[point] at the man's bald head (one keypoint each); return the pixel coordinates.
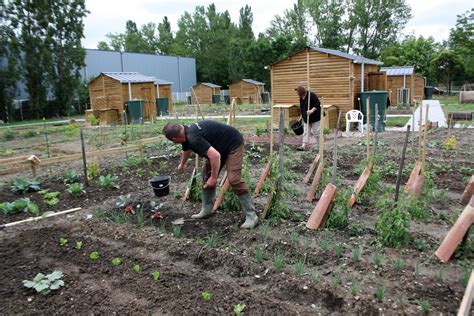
(174, 132)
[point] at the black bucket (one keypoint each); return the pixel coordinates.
(160, 185)
(297, 127)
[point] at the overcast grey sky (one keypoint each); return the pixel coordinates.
(430, 18)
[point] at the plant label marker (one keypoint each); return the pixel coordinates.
(366, 173)
(325, 203)
(468, 192)
(456, 233)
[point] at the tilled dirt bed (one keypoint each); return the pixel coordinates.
(408, 280)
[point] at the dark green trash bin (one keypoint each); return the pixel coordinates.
(265, 97)
(162, 106)
(135, 110)
(428, 92)
(379, 98)
(216, 98)
(227, 99)
(190, 100)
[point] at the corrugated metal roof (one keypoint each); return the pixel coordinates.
(210, 85)
(399, 71)
(355, 58)
(133, 77)
(255, 82)
(159, 81)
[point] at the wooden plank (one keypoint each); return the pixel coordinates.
(264, 175)
(359, 185)
(32, 219)
(456, 233)
(466, 302)
(220, 197)
(320, 211)
(314, 184)
(188, 187)
(468, 192)
(14, 169)
(311, 169)
(13, 160)
(414, 173)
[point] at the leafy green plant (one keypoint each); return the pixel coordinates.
(440, 275)
(399, 264)
(338, 250)
(50, 198)
(357, 254)
(109, 181)
(259, 253)
(75, 189)
(315, 277)
(71, 176)
(338, 218)
(295, 237)
(278, 260)
(62, 241)
(71, 130)
(298, 266)
(425, 306)
(8, 134)
(336, 280)
(94, 121)
(465, 274)
(78, 245)
(176, 231)
(266, 230)
(393, 224)
(324, 244)
(355, 286)
(212, 240)
(417, 269)
(29, 133)
(93, 170)
(156, 275)
(238, 309)
(20, 205)
(94, 255)
(137, 268)
(421, 245)
(116, 261)
(206, 296)
(44, 284)
(380, 293)
(21, 185)
(377, 260)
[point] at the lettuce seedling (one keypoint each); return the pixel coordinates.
(44, 284)
(116, 261)
(62, 241)
(238, 309)
(156, 275)
(206, 296)
(94, 255)
(78, 245)
(137, 268)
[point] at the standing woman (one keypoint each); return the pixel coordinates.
(314, 114)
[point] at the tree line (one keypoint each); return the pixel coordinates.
(41, 44)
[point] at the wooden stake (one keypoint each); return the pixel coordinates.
(467, 298)
(281, 142)
(311, 169)
(420, 124)
(222, 192)
(314, 184)
(468, 192)
(271, 112)
(359, 185)
(425, 137)
(320, 211)
(84, 161)
(308, 129)
(402, 162)
(264, 175)
(188, 187)
(368, 132)
(414, 173)
(32, 219)
(33, 162)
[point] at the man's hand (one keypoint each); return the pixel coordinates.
(210, 183)
(311, 111)
(181, 167)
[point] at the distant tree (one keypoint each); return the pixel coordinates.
(165, 37)
(461, 40)
(102, 45)
(66, 30)
(447, 66)
(292, 24)
(9, 70)
(412, 50)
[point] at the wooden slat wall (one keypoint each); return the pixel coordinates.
(378, 81)
(419, 90)
(246, 92)
(329, 78)
(235, 90)
(396, 82)
(203, 93)
(166, 91)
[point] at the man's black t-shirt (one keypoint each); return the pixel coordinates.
(202, 135)
(313, 103)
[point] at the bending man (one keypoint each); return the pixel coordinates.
(221, 145)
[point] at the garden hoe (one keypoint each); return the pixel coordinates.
(416, 187)
(366, 173)
(320, 157)
(325, 203)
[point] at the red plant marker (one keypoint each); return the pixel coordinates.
(129, 209)
(157, 216)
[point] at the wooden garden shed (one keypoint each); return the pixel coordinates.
(247, 91)
(109, 92)
(333, 75)
(164, 89)
(404, 77)
(204, 91)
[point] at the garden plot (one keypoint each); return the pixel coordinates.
(211, 266)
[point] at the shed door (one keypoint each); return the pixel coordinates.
(149, 103)
(378, 81)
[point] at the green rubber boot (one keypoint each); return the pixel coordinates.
(208, 196)
(251, 218)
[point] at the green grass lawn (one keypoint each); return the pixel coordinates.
(451, 104)
(396, 121)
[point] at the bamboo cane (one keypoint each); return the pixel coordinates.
(32, 219)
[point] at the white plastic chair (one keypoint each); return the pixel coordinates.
(354, 116)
